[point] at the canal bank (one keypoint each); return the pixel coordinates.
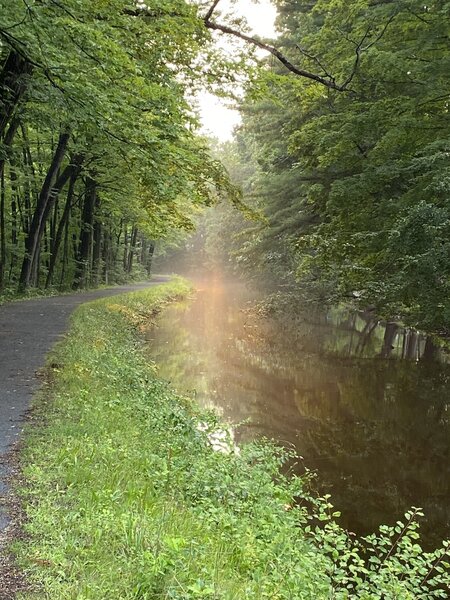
(126, 497)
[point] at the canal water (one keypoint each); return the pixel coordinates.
(375, 426)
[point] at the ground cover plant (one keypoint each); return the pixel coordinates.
(127, 499)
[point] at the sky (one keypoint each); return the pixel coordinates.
(217, 118)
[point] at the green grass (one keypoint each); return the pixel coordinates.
(127, 500)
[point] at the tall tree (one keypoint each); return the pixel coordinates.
(116, 76)
(355, 189)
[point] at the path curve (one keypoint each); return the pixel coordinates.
(28, 331)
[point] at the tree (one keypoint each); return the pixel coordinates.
(93, 107)
(355, 189)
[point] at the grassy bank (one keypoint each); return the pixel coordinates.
(126, 498)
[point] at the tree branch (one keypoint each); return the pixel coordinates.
(316, 60)
(382, 32)
(329, 83)
(358, 48)
(210, 12)
(327, 80)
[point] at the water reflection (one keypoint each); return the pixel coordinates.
(377, 430)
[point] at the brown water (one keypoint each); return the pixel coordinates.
(377, 430)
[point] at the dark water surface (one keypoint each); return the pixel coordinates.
(376, 429)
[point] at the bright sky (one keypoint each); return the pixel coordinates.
(219, 119)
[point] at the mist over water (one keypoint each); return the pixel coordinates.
(376, 429)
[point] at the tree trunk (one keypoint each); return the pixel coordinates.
(431, 351)
(115, 250)
(125, 250)
(47, 237)
(43, 207)
(97, 245)
(366, 334)
(13, 83)
(65, 256)
(132, 249)
(81, 278)
(411, 345)
(107, 255)
(13, 231)
(2, 231)
(16, 206)
(7, 142)
(35, 268)
(31, 186)
(54, 222)
(144, 249)
(388, 341)
(151, 251)
(62, 226)
(26, 195)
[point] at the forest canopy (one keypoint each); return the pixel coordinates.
(98, 155)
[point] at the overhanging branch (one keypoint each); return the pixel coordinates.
(326, 80)
(210, 12)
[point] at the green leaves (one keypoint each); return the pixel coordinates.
(118, 76)
(355, 185)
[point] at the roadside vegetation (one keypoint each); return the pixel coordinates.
(126, 497)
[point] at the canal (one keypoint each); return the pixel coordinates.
(373, 425)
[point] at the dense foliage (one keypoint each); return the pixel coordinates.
(126, 497)
(355, 185)
(97, 152)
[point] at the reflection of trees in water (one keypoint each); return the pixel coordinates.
(376, 430)
(347, 333)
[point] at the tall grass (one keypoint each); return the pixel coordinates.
(126, 498)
